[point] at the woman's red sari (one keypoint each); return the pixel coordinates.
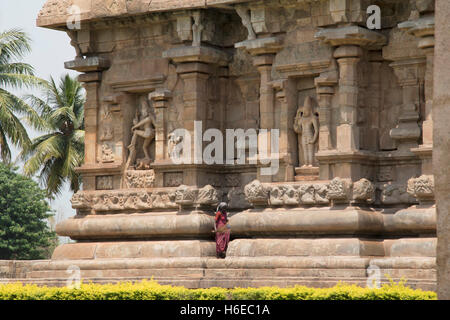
(222, 233)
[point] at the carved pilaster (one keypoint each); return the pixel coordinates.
(92, 68)
(263, 52)
(423, 28)
(160, 99)
(350, 43)
(195, 65)
(410, 74)
(287, 142)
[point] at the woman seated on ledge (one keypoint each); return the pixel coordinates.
(222, 230)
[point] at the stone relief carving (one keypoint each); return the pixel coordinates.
(276, 194)
(339, 190)
(256, 193)
(124, 200)
(81, 200)
(185, 196)
(307, 194)
(197, 29)
(143, 127)
(172, 141)
(208, 195)
(104, 183)
(290, 196)
(364, 190)
(107, 154)
(140, 179)
(422, 188)
(306, 125)
(294, 195)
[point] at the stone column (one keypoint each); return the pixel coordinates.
(410, 74)
(263, 52)
(92, 68)
(195, 66)
(348, 135)
(423, 28)
(160, 100)
(325, 91)
(441, 149)
(347, 158)
(288, 140)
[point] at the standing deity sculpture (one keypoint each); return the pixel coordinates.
(197, 29)
(143, 127)
(306, 126)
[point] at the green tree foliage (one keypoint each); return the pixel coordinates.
(24, 231)
(14, 74)
(56, 153)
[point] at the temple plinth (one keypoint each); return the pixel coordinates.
(313, 128)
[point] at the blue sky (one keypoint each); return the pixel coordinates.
(50, 49)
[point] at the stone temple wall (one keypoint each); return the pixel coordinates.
(354, 191)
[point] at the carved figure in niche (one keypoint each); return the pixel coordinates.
(107, 153)
(306, 126)
(143, 127)
(246, 21)
(197, 29)
(107, 131)
(172, 141)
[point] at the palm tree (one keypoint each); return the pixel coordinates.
(60, 149)
(14, 44)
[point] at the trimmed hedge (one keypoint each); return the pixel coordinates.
(151, 290)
